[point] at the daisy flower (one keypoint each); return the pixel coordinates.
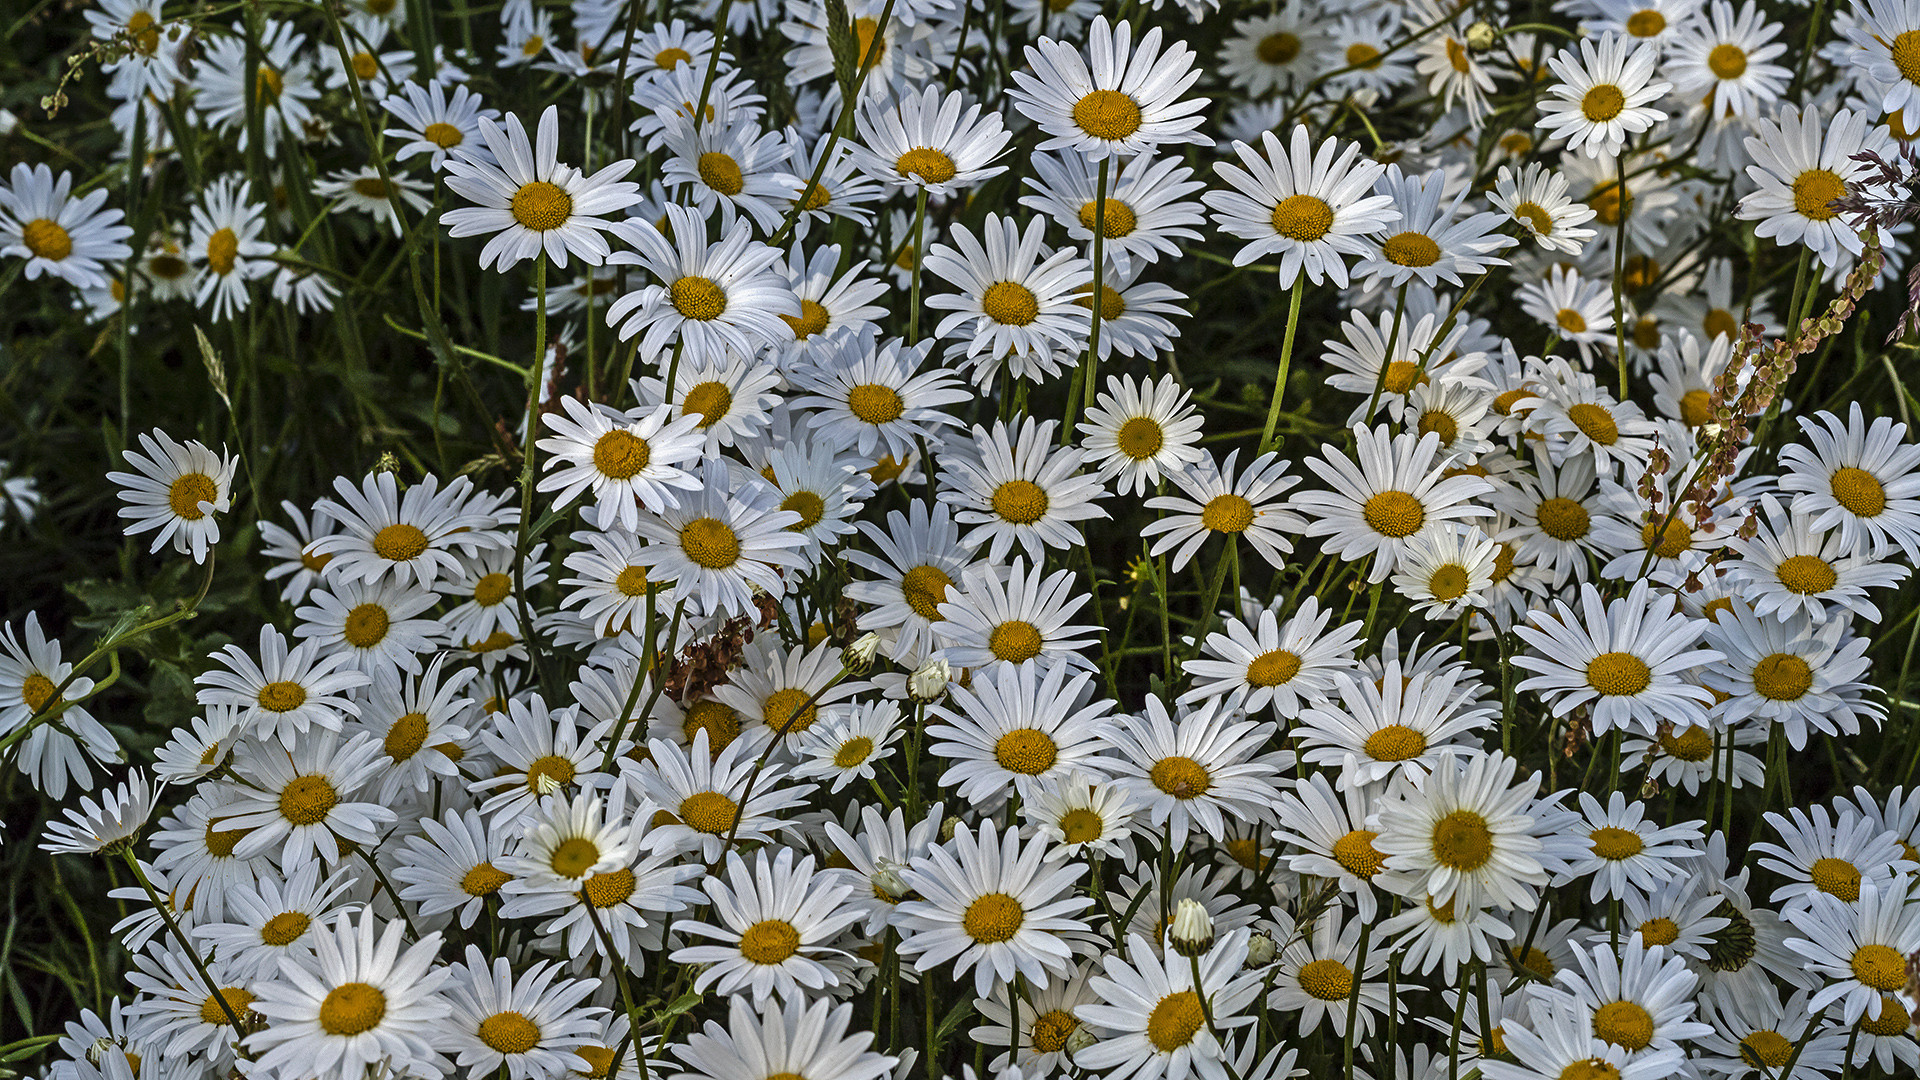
(1081, 815)
(289, 548)
(1014, 295)
(916, 558)
(364, 190)
(1046, 1023)
(827, 302)
(1572, 308)
(1453, 71)
(1019, 728)
(1462, 833)
(847, 747)
(1404, 721)
(800, 1038)
(1862, 479)
(1431, 243)
(1578, 416)
(537, 752)
(526, 1027)
(700, 792)
(627, 459)
(721, 543)
(419, 535)
(527, 202)
(1801, 164)
(1270, 52)
(306, 802)
(1537, 198)
(1270, 664)
(1141, 430)
(817, 480)
(438, 121)
(1557, 1039)
(733, 165)
(1021, 488)
(178, 489)
(709, 297)
(1193, 768)
(1627, 855)
(373, 625)
(874, 396)
(363, 997)
(1159, 1014)
(1250, 505)
(1446, 570)
(225, 245)
(1789, 672)
(991, 905)
(64, 237)
(282, 81)
(1828, 855)
(1624, 660)
(778, 919)
(727, 396)
(1605, 94)
(1884, 52)
(1312, 208)
(1146, 212)
(1725, 57)
(1018, 621)
(288, 691)
(1317, 973)
(924, 142)
(1396, 489)
(272, 919)
(484, 591)
(1125, 102)
(1331, 832)
(787, 691)
(1639, 999)
(451, 867)
(877, 856)
(1750, 1023)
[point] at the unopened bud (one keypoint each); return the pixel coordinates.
(1081, 1038)
(886, 878)
(1261, 950)
(948, 826)
(929, 681)
(1480, 36)
(858, 657)
(1192, 930)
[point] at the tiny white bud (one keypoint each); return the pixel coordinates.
(929, 680)
(1261, 950)
(1192, 928)
(886, 878)
(1080, 1040)
(859, 655)
(1480, 36)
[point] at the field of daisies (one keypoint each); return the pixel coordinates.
(988, 539)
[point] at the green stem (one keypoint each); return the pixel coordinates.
(1267, 440)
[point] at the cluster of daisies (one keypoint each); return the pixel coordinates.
(768, 723)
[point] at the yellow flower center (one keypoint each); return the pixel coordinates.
(1646, 24)
(237, 999)
(1727, 61)
(993, 918)
(721, 173)
(1140, 438)
(1107, 114)
(443, 135)
(549, 773)
(1020, 502)
(541, 206)
(1659, 931)
(1112, 304)
(1618, 674)
(1462, 841)
(929, 165)
(1116, 221)
(267, 85)
(1614, 843)
(352, 1008)
(853, 752)
(632, 581)
(509, 1033)
(1010, 303)
(1278, 48)
(1305, 218)
(709, 812)
(399, 543)
(1602, 103)
(47, 240)
(1894, 1019)
(1175, 1021)
(1180, 777)
(1624, 1024)
(1014, 641)
(1027, 751)
(1563, 519)
(808, 505)
(1448, 582)
(813, 319)
(1813, 190)
(1836, 877)
(1362, 55)
(1396, 742)
(1594, 421)
(485, 880)
(1328, 980)
(1394, 514)
(925, 589)
(1228, 513)
(717, 719)
(366, 626)
(710, 543)
(771, 941)
(285, 928)
(669, 58)
(1691, 744)
(223, 250)
(1051, 1030)
(1806, 574)
(698, 298)
(1906, 55)
(783, 709)
(307, 800)
(571, 858)
(1410, 249)
(872, 403)
(1782, 677)
(1535, 217)
(866, 31)
(1275, 667)
(1080, 825)
(36, 690)
(1857, 490)
(1356, 854)
(1590, 1069)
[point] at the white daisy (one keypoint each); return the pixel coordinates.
(529, 203)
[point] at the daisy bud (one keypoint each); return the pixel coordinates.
(1261, 950)
(1081, 1038)
(886, 878)
(929, 681)
(1192, 930)
(948, 827)
(858, 657)
(1480, 36)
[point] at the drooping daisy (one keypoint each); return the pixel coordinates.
(1802, 164)
(1311, 207)
(1017, 621)
(365, 996)
(68, 238)
(1605, 95)
(1862, 479)
(1395, 490)
(178, 489)
(991, 905)
(1624, 660)
(529, 203)
(1125, 102)
(1272, 664)
(709, 296)
(778, 917)
(1537, 198)
(1461, 832)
